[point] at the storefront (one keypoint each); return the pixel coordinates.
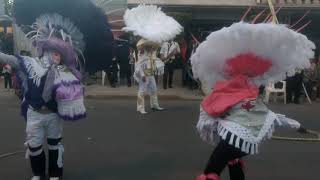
(203, 16)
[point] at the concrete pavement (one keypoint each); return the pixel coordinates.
(123, 92)
(116, 143)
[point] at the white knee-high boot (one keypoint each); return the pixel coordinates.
(141, 104)
(154, 102)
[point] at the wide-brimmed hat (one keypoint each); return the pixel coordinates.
(142, 43)
(68, 55)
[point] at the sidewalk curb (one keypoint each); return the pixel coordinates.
(119, 96)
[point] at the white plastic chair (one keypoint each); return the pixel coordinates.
(271, 89)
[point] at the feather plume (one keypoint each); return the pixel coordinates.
(284, 48)
(149, 22)
(54, 25)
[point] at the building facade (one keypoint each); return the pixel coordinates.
(210, 15)
(288, 3)
(2, 11)
(196, 2)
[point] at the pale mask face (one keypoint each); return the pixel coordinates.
(56, 57)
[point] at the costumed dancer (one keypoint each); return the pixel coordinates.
(52, 92)
(97, 36)
(154, 27)
(51, 82)
(147, 67)
(231, 64)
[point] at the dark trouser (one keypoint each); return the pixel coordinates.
(188, 77)
(221, 156)
(310, 85)
(294, 87)
(318, 90)
(125, 72)
(7, 80)
(185, 76)
(113, 78)
(168, 75)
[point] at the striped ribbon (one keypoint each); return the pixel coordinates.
(274, 15)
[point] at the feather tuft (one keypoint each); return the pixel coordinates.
(149, 22)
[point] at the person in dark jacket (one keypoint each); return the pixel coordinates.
(294, 87)
(123, 58)
(7, 71)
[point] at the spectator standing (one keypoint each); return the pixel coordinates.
(112, 73)
(310, 80)
(168, 54)
(317, 74)
(184, 50)
(192, 46)
(7, 76)
(123, 57)
(294, 87)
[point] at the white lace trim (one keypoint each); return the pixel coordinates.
(71, 109)
(207, 128)
(210, 129)
(250, 143)
(66, 77)
(35, 70)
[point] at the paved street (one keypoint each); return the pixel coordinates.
(115, 143)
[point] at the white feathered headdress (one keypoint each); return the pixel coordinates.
(277, 49)
(149, 22)
(55, 26)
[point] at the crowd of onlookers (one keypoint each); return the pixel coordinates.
(311, 80)
(175, 54)
(6, 46)
(304, 83)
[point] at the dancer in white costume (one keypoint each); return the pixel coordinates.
(155, 27)
(147, 67)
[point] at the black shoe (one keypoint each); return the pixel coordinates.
(170, 87)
